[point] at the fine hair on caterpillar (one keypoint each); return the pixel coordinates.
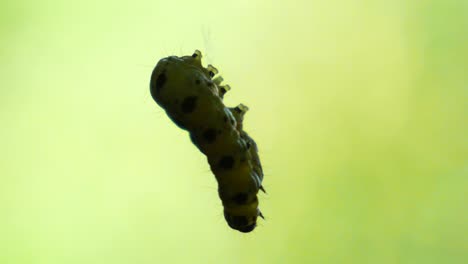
(192, 97)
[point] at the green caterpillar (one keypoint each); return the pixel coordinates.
(193, 100)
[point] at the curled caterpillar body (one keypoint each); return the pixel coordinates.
(193, 100)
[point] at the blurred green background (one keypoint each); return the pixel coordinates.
(359, 109)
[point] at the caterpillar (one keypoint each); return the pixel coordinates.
(192, 97)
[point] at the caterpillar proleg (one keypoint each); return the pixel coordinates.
(192, 97)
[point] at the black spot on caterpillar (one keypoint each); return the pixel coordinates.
(226, 162)
(160, 81)
(209, 135)
(240, 198)
(189, 104)
(192, 97)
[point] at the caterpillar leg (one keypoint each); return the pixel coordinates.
(197, 55)
(222, 90)
(261, 215)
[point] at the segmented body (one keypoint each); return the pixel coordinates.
(194, 102)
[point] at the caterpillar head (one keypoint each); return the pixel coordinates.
(240, 204)
(182, 85)
(243, 212)
(243, 222)
(174, 74)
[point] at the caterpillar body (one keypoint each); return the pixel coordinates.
(193, 99)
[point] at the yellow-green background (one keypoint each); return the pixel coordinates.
(359, 109)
